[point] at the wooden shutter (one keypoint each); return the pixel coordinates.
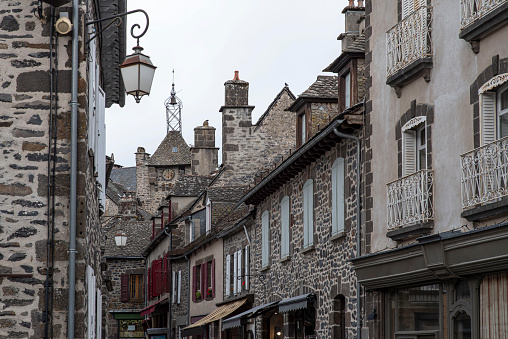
(247, 267)
(228, 274)
(409, 152)
(488, 118)
(124, 289)
(284, 236)
(174, 288)
(235, 273)
(179, 285)
(213, 278)
(308, 214)
(338, 196)
(194, 283)
(265, 250)
(239, 277)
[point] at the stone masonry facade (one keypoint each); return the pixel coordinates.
(324, 269)
(30, 224)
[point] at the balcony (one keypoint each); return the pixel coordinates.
(410, 205)
(409, 48)
(478, 18)
(484, 180)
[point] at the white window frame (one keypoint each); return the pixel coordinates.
(338, 199)
(347, 90)
(239, 272)
(247, 267)
(410, 136)
(208, 215)
(284, 226)
(308, 213)
(304, 128)
(235, 273)
(228, 275)
(265, 239)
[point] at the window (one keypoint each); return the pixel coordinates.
(338, 196)
(409, 6)
(265, 238)
(136, 287)
(175, 149)
(414, 309)
(181, 170)
(197, 283)
(246, 269)
(303, 128)
(203, 281)
(228, 275)
(414, 146)
(177, 286)
(308, 214)
(494, 306)
(347, 90)
(208, 215)
(284, 227)
(494, 117)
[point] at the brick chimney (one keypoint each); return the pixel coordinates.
(142, 185)
(205, 156)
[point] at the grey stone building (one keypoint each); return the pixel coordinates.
(53, 171)
(435, 202)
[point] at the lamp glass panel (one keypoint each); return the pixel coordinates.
(130, 78)
(145, 78)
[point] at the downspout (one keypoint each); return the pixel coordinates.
(170, 278)
(358, 224)
(73, 175)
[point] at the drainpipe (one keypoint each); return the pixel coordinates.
(358, 225)
(73, 176)
(170, 278)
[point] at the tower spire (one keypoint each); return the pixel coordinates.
(173, 110)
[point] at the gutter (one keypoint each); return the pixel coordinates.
(73, 174)
(301, 151)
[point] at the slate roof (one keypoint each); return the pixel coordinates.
(164, 155)
(125, 176)
(357, 46)
(138, 236)
(115, 191)
(226, 193)
(326, 86)
(355, 50)
(114, 55)
(190, 185)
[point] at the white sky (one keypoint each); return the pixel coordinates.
(269, 42)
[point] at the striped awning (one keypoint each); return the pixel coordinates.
(217, 314)
(296, 303)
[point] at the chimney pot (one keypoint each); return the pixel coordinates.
(360, 3)
(351, 3)
(237, 77)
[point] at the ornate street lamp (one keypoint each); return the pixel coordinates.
(120, 238)
(137, 69)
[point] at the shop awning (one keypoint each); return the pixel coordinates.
(151, 308)
(217, 314)
(236, 321)
(296, 303)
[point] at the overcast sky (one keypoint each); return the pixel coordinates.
(270, 42)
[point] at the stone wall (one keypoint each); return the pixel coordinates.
(25, 213)
(321, 115)
(324, 270)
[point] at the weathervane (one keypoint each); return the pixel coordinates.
(173, 110)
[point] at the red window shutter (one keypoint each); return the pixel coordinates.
(194, 280)
(168, 273)
(124, 294)
(154, 280)
(164, 273)
(213, 278)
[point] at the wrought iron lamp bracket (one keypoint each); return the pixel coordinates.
(117, 20)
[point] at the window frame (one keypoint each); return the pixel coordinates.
(410, 152)
(338, 196)
(136, 285)
(265, 239)
(285, 227)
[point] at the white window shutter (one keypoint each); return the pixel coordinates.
(488, 118)
(338, 214)
(99, 314)
(407, 7)
(90, 277)
(228, 274)
(247, 267)
(100, 153)
(308, 214)
(409, 152)
(239, 277)
(174, 287)
(235, 271)
(179, 285)
(284, 247)
(265, 239)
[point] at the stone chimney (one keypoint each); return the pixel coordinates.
(205, 156)
(354, 16)
(127, 205)
(236, 119)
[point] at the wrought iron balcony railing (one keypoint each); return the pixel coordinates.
(409, 40)
(410, 200)
(485, 173)
(472, 10)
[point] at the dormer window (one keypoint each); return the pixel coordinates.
(347, 90)
(303, 127)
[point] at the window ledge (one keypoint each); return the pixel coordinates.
(285, 258)
(487, 210)
(265, 268)
(485, 25)
(410, 231)
(412, 71)
(308, 249)
(338, 235)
